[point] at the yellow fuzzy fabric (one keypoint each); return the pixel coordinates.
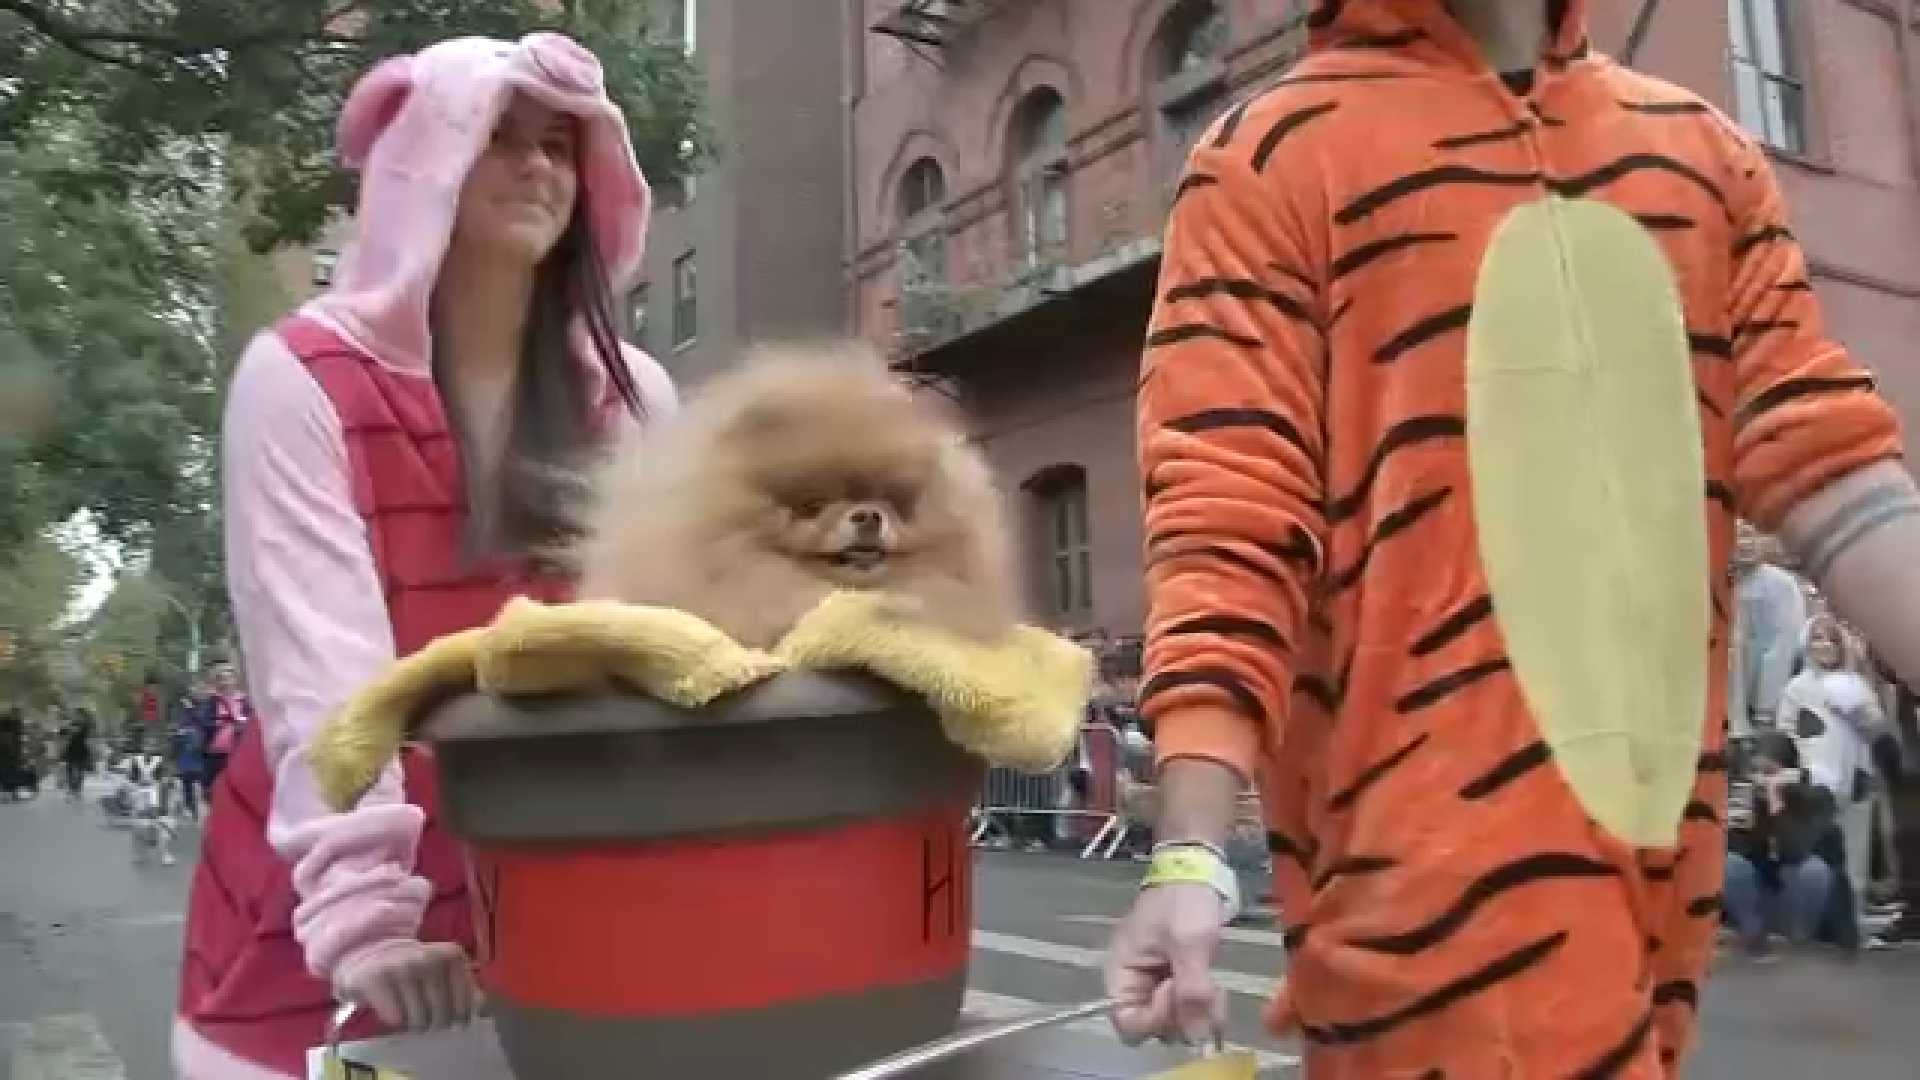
(1017, 702)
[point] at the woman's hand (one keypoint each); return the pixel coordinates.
(413, 986)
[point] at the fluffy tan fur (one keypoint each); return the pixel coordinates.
(803, 471)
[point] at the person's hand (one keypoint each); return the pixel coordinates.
(1160, 966)
(413, 986)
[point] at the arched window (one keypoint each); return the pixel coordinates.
(923, 233)
(1189, 79)
(1040, 176)
(1066, 539)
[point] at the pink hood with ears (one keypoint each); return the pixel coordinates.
(413, 127)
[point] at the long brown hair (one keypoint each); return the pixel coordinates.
(533, 506)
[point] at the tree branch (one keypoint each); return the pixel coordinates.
(86, 42)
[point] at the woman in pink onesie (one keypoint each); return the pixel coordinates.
(396, 453)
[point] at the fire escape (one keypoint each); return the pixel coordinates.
(931, 27)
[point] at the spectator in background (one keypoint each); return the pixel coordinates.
(1832, 709)
(189, 754)
(225, 716)
(1775, 882)
(76, 753)
(1769, 618)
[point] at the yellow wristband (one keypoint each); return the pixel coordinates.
(1194, 866)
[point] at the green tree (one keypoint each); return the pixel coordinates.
(36, 589)
(173, 87)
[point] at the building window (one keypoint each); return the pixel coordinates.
(1189, 77)
(923, 233)
(686, 300)
(1767, 98)
(683, 23)
(637, 315)
(1040, 177)
(1067, 540)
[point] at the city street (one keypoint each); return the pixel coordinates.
(88, 954)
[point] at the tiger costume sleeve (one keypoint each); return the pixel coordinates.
(1230, 449)
(1807, 412)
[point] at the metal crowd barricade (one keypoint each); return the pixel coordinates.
(1079, 801)
(1093, 799)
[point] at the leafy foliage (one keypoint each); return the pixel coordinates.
(261, 81)
(36, 585)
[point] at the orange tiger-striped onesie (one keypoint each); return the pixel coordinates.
(1453, 390)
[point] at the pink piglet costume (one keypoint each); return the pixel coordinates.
(344, 513)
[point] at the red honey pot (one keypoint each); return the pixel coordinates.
(776, 885)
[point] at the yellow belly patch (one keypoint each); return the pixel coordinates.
(1589, 496)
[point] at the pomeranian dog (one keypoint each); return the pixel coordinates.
(803, 471)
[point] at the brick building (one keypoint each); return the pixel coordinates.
(1012, 162)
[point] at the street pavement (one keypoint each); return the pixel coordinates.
(89, 951)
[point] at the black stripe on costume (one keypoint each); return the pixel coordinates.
(1399, 39)
(1703, 906)
(1757, 327)
(1666, 222)
(1677, 992)
(1471, 614)
(1239, 289)
(1707, 403)
(1433, 693)
(1420, 333)
(1286, 847)
(1341, 77)
(1207, 420)
(1319, 690)
(1796, 285)
(1192, 182)
(1481, 138)
(1324, 14)
(1545, 866)
(1758, 237)
(1618, 1059)
(1407, 433)
(1712, 345)
(1713, 761)
(1368, 252)
(1574, 187)
(1374, 773)
(1284, 127)
(1230, 626)
(1356, 866)
(1504, 968)
(1788, 390)
(1720, 493)
(1182, 332)
(1216, 677)
(1426, 180)
(1391, 525)
(1223, 554)
(1700, 811)
(1295, 936)
(1231, 125)
(1666, 108)
(1516, 765)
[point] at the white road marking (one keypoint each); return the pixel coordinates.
(1240, 934)
(1051, 952)
(65, 1047)
(157, 919)
(989, 1007)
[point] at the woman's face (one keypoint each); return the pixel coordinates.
(519, 195)
(1824, 649)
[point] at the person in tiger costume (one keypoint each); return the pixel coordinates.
(1470, 347)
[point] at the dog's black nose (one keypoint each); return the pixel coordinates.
(866, 520)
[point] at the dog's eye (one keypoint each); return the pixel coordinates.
(809, 508)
